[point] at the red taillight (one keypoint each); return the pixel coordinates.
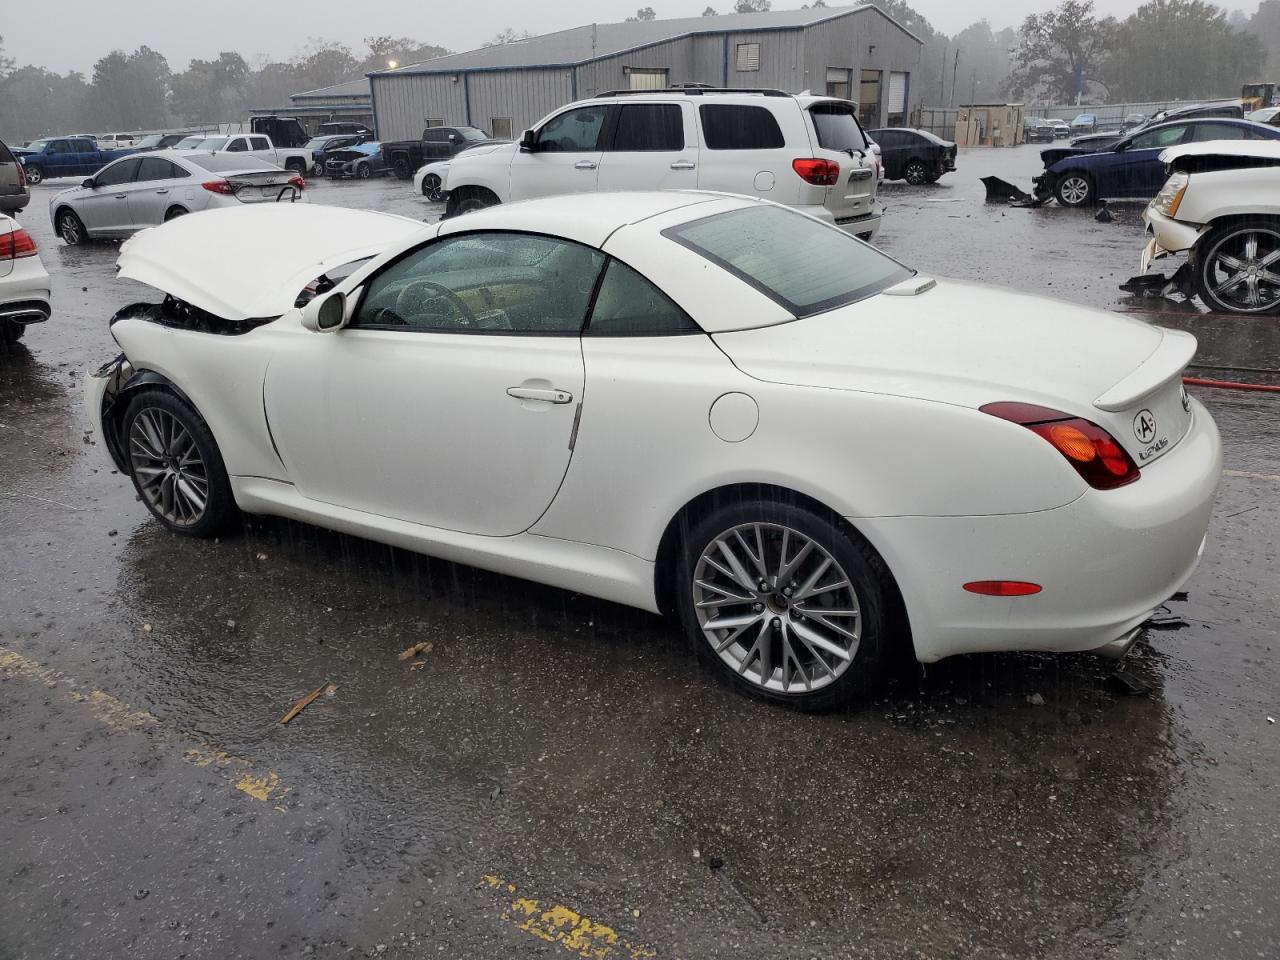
(821, 173)
(22, 175)
(1003, 588)
(17, 244)
(220, 186)
(298, 182)
(1097, 457)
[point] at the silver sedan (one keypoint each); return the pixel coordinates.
(143, 190)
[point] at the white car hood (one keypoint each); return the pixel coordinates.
(961, 343)
(1262, 149)
(249, 262)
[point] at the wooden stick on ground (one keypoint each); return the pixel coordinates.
(305, 702)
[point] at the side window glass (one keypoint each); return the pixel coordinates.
(575, 131)
(236, 146)
(727, 126)
(154, 168)
(176, 172)
(118, 173)
(59, 146)
(1202, 132)
(1163, 137)
(495, 283)
(628, 305)
(649, 126)
(83, 146)
(260, 143)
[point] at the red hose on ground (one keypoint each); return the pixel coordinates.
(1230, 385)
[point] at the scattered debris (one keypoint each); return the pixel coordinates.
(1158, 285)
(417, 648)
(326, 688)
(1126, 684)
(1179, 597)
(1165, 621)
(715, 863)
(496, 792)
(146, 628)
(1036, 700)
(262, 556)
(1002, 190)
(142, 894)
(1103, 215)
(1271, 719)
(112, 533)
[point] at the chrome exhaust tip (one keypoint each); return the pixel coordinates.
(1119, 648)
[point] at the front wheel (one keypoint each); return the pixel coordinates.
(176, 466)
(317, 169)
(364, 171)
(785, 603)
(1237, 267)
(915, 173)
(71, 228)
(431, 187)
(1073, 189)
(33, 174)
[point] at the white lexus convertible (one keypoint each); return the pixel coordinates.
(683, 402)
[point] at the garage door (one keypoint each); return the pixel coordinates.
(897, 98)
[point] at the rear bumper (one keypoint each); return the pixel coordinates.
(1104, 561)
(865, 226)
(24, 293)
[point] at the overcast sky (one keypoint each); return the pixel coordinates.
(72, 34)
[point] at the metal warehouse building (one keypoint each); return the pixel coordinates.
(858, 53)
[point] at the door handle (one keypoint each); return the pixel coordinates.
(585, 165)
(545, 394)
(162, 191)
(683, 165)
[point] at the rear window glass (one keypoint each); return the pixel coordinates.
(5, 155)
(649, 126)
(837, 127)
(806, 266)
(219, 162)
(731, 126)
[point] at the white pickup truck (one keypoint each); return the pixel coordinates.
(260, 146)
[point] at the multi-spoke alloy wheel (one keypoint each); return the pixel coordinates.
(777, 607)
(1240, 269)
(175, 464)
(1074, 189)
(787, 603)
(168, 468)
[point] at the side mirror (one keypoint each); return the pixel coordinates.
(325, 314)
(89, 184)
(529, 141)
(875, 148)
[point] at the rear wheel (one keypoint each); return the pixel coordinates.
(297, 166)
(175, 465)
(71, 228)
(401, 167)
(173, 213)
(431, 187)
(1074, 189)
(1237, 267)
(914, 172)
(785, 603)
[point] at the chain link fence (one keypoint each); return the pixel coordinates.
(941, 121)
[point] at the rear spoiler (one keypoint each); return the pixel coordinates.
(1169, 359)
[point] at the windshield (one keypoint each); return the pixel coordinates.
(837, 127)
(803, 264)
(37, 145)
(471, 133)
(315, 143)
(212, 143)
(222, 162)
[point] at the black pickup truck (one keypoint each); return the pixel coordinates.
(437, 143)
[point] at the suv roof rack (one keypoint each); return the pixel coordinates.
(694, 90)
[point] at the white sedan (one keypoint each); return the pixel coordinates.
(146, 189)
(24, 284)
(680, 401)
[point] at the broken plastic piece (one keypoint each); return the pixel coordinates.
(1002, 190)
(1127, 684)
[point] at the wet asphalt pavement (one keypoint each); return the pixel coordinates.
(557, 778)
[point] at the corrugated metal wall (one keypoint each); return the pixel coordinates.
(791, 60)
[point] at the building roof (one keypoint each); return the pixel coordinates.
(358, 87)
(595, 41)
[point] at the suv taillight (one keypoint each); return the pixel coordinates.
(821, 173)
(220, 186)
(16, 245)
(1097, 457)
(22, 175)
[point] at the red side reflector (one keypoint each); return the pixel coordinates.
(1003, 588)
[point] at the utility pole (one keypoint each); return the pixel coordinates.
(954, 67)
(942, 74)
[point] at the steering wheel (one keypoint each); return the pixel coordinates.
(412, 301)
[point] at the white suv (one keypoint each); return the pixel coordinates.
(803, 151)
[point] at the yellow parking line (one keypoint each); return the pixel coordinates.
(115, 713)
(578, 934)
(1252, 476)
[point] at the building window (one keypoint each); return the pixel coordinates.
(748, 58)
(434, 122)
(838, 82)
(897, 108)
(500, 128)
(647, 79)
(869, 99)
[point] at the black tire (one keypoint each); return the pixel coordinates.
(1211, 274)
(33, 173)
(468, 200)
(1074, 189)
(174, 212)
(401, 167)
(71, 228)
(219, 507)
(915, 172)
(873, 593)
(11, 332)
(431, 187)
(297, 166)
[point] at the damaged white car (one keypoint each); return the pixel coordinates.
(680, 401)
(1220, 206)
